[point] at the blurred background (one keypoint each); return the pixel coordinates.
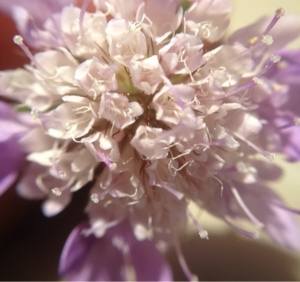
(30, 244)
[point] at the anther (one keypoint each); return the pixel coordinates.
(257, 81)
(280, 13)
(34, 114)
(95, 198)
(267, 40)
(203, 234)
(61, 174)
(56, 191)
(18, 39)
(275, 59)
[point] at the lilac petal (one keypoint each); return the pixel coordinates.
(10, 162)
(290, 137)
(290, 56)
(9, 128)
(11, 125)
(289, 74)
(160, 10)
(89, 258)
(149, 264)
(291, 146)
(6, 111)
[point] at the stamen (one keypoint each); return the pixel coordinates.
(269, 156)
(278, 14)
(18, 39)
(174, 192)
(251, 235)
(58, 191)
(242, 204)
(255, 81)
(104, 158)
(274, 59)
(202, 232)
(181, 259)
(294, 122)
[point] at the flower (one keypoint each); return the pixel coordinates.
(154, 114)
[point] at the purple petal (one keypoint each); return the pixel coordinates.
(10, 162)
(288, 71)
(11, 125)
(7, 180)
(100, 259)
(149, 264)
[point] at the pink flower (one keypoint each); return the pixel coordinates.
(137, 92)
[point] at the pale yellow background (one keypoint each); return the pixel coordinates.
(247, 11)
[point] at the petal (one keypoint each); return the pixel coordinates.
(7, 180)
(213, 17)
(165, 15)
(10, 162)
(55, 204)
(149, 264)
(88, 258)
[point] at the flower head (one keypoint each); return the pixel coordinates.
(139, 93)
